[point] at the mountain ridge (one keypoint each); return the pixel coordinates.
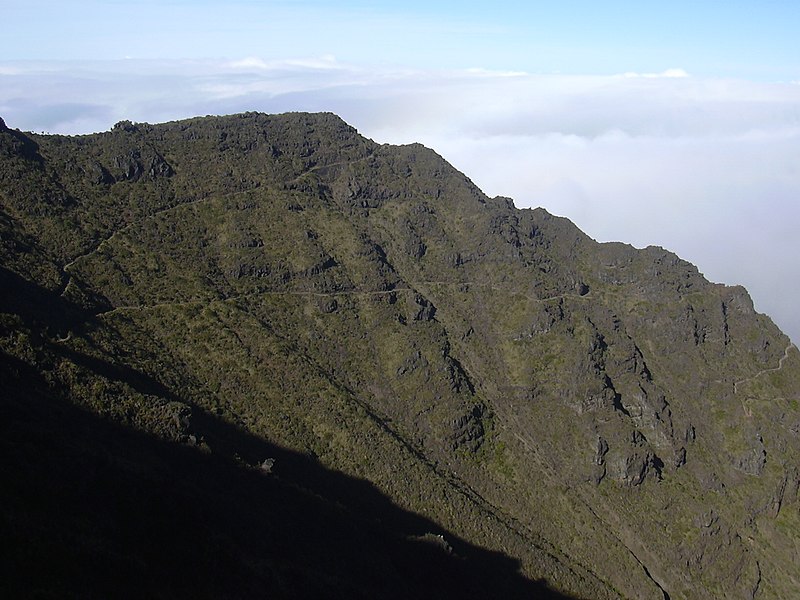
(605, 408)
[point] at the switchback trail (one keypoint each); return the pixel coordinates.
(67, 277)
(765, 371)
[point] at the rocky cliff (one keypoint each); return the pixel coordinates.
(312, 364)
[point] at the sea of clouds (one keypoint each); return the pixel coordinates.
(708, 168)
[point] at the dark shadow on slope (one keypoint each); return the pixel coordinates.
(36, 306)
(92, 509)
(95, 509)
(17, 143)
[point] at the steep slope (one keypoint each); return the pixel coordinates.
(278, 287)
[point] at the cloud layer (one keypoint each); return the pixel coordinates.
(709, 168)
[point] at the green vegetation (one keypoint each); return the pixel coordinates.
(186, 302)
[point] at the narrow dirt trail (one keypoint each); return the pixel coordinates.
(765, 371)
(67, 277)
(335, 294)
(67, 266)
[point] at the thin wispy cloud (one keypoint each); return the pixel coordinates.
(673, 73)
(709, 168)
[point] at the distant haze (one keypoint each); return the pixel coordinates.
(676, 126)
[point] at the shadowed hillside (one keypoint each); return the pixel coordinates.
(92, 509)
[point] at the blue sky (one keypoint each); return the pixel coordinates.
(667, 123)
(755, 40)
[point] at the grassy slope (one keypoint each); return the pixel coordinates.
(369, 314)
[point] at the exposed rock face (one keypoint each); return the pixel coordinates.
(753, 460)
(468, 429)
(133, 166)
(592, 415)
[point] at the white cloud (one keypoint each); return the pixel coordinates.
(669, 73)
(707, 168)
(251, 62)
(254, 63)
(490, 73)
